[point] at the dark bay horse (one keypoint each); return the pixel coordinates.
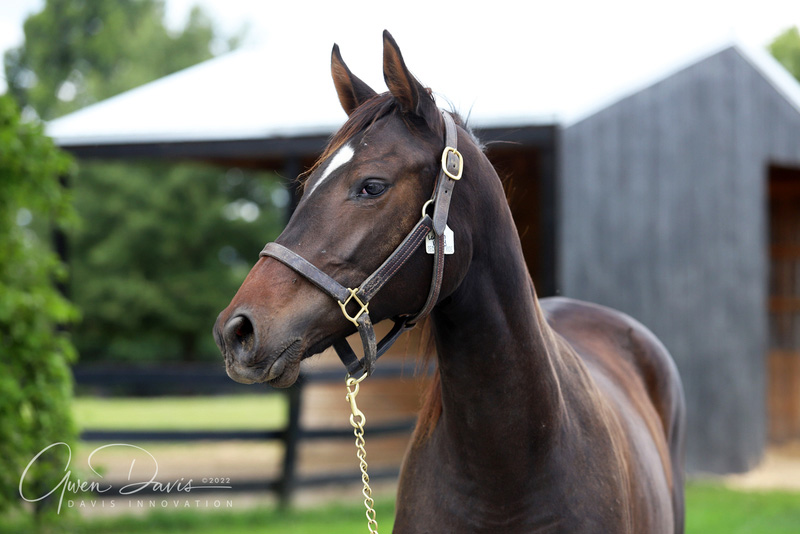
(546, 416)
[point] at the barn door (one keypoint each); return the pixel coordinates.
(784, 304)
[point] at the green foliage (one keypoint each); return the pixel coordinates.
(77, 53)
(161, 252)
(164, 249)
(35, 380)
(786, 49)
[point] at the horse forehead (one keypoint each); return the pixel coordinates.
(339, 159)
(386, 143)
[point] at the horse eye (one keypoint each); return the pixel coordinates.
(372, 189)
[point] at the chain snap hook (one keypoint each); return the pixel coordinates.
(357, 417)
(357, 420)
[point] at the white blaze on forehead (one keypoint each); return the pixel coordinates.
(342, 156)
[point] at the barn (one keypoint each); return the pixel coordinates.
(674, 197)
(679, 205)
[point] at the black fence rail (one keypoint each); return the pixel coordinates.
(166, 380)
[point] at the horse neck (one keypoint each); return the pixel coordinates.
(495, 350)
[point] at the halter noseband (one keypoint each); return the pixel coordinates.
(449, 172)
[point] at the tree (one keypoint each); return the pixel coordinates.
(35, 380)
(161, 251)
(77, 53)
(786, 49)
(164, 249)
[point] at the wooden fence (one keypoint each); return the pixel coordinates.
(166, 380)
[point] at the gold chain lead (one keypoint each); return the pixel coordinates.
(357, 420)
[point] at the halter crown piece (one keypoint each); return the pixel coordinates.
(449, 172)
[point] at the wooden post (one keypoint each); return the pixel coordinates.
(291, 441)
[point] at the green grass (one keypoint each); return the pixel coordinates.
(712, 509)
(330, 519)
(181, 413)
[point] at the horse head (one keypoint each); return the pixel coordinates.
(361, 200)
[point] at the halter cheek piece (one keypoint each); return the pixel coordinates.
(450, 171)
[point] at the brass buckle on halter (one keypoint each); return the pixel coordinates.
(445, 156)
(363, 310)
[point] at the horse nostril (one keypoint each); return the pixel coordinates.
(239, 335)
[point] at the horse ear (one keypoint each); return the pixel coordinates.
(409, 92)
(351, 89)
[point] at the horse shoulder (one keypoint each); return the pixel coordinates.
(609, 339)
(633, 373)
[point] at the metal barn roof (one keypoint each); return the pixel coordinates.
(269, 92)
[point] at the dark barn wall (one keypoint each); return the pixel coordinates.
(662, 215)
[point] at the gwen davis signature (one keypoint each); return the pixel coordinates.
(71, 485)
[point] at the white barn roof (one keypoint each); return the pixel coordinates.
(270, 92)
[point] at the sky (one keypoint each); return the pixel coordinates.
(581, 34)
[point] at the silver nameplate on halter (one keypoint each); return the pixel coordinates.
(449, 242)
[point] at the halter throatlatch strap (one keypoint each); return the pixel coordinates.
(358, 299)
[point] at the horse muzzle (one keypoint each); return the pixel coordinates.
(247, 360)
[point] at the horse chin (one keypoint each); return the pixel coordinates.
(285, 370)
(245, 375)
(281, 373)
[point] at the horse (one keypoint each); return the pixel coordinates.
(549, 415)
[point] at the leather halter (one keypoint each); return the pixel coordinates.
(449, 172)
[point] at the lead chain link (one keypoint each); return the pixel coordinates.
(357, 420)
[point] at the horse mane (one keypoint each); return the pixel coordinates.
(431, 406)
